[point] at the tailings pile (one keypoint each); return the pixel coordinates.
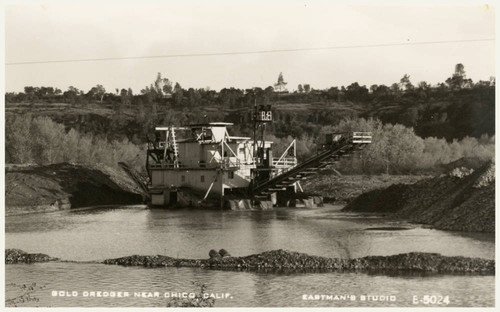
(462, 200)
(64, 186)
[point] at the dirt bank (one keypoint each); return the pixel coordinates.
(343, 189)
(462, 200)
(283, 260)
(64, 186)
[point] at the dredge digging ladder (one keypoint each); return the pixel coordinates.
(344, 145)
(139, 180)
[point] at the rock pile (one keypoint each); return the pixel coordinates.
(18, 256)
(463, 200)
(288, 261)
(282, 260)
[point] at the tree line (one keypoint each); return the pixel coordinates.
(395, 149)
(453, 109)
(164, 91)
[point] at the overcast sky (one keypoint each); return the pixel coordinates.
(55, 31)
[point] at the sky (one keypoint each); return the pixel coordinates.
(53, 31)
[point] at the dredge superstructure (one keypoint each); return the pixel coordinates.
(202, 165)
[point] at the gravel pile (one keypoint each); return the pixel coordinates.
(459, 201)
(283, 260)
(18, 256)
(288, 261)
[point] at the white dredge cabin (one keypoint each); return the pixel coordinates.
(201, 164)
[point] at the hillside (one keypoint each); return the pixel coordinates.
(448, 112)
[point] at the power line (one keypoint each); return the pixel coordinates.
(248, 52)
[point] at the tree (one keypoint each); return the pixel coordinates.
(162, 86)
(178, 94)
(97, 92)
(268, 94)
(333, 94)
(307, 88)
(130, 96)
(72, 94)
(458, 80)
(100, 91)
(405, 83)
(31, 93)
(300, 88)
(125, 100)
(394, 148)
(140, 110)
(194, 97)
(396, 90)
(18, 149)
(423, 89)
(355, 92)
(280, 86)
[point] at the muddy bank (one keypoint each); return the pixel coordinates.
(462, 200)
(63, 186)
(340, 189)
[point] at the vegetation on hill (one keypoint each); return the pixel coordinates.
(40, 140)
(397, 149)
(451, 110)
(415, 128)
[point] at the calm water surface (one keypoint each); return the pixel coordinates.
(106, 233)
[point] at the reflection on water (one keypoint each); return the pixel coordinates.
(106, 233)
(245, 288)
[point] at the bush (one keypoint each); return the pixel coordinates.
(397, 149)
(42, 141)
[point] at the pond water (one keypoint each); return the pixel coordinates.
(98, 234)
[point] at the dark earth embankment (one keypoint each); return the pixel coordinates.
(282, 260)
(339, 189)
(64, 186)
(463, 200)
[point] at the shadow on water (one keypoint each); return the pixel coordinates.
(387, 228)
(114, 231)
(486, 237)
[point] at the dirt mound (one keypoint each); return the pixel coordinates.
(345, 188)
(289, 261)
(294, 261)
(452, 202)
(64, 186)
(18, 256)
